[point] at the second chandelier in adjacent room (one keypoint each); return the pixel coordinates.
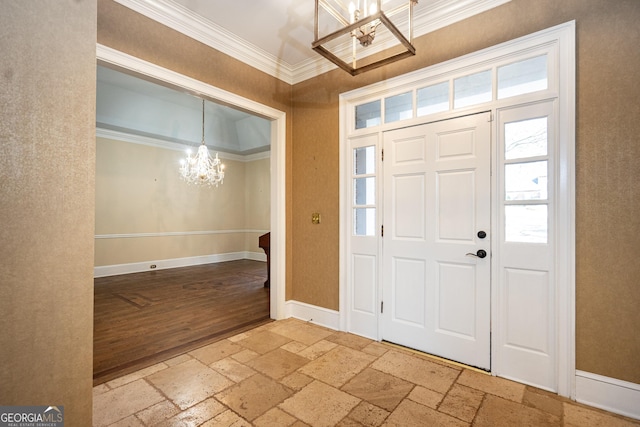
(202, 169)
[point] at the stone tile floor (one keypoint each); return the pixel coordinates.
(292, 373)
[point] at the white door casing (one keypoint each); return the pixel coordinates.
(514, 346)
(435, 288)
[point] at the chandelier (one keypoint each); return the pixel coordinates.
(343, 32)
(202, 169)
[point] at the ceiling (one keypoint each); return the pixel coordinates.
(282, 29)
(130, 108)
(273, 36)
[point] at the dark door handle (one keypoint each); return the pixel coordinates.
(480, 254)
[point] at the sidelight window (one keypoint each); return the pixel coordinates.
(364, 191)
(526, 192)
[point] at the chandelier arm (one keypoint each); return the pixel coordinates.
(394, 30)
(347, 29)
(382, 63)
(333, 58)
(332, 11)
(397, 9)
(411, 4)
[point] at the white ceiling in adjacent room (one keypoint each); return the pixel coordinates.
(133, 106)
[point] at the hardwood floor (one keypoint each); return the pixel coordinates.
(144, 318)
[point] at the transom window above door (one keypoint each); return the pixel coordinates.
(509, 79)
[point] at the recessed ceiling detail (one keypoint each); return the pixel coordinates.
(134, 106)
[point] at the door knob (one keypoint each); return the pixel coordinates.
(482, 234)
(480, 254)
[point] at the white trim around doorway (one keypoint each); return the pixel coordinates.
(108, 56)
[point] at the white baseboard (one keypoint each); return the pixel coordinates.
(312, 313)
(610, 394)
(137, 267)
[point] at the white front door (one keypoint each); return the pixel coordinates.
(437, 238)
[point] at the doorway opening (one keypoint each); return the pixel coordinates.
(166, 240)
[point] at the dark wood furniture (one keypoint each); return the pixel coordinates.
(264, 242)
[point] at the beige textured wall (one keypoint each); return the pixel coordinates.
(138, 190)
(257, 183)
(608, 165)
(607, 150)
(47, 148)
(257, 201)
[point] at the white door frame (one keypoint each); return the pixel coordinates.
(106, 55)
(559, 41)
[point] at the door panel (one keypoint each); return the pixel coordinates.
(527, 295)
(364, 274)
(409, 200)
(436, 199)
(456, 215)
(456, 300)
(408, 304)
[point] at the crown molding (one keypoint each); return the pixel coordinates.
(436, 15)
(174, 146)
(442, 13)
(183, 20)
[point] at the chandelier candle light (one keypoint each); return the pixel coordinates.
(343, 31)
(202, 169)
